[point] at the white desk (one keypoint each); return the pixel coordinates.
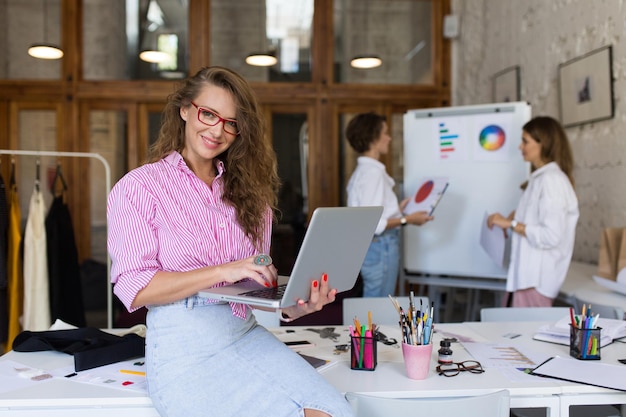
(64, 397)
(390, 380)
(571, 393)
(61, 397)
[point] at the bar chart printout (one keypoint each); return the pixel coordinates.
(451, 145)
(446, 140)
(495, 355)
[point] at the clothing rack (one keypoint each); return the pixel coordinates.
(107, 172)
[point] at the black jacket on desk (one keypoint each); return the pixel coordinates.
(90, 347)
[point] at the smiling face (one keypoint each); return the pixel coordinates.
(531, 150)
(204, 143)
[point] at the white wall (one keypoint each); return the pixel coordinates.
(539, 35)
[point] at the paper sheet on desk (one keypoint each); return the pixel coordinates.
(585, 372)
(493, 242)
(616, 286)
(621, 276)
(110, 376)
(15, 375)
(499, 355)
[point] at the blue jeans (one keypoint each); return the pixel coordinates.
(381, 265)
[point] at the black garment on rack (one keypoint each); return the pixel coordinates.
(4, 227)
(66, 294)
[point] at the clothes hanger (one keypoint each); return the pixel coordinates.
(12, 174)
(58, 176)
(37, 176)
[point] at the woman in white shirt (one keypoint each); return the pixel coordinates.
(544, 223)
(370, 185)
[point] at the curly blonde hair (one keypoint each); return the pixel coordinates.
(250, 179)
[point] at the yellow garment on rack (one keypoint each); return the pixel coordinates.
(15, 286)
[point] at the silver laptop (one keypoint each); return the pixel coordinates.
(335, 243)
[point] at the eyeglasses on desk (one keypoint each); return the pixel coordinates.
(453, 369)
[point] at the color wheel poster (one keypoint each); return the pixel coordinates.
(427, 196)
(492, 138)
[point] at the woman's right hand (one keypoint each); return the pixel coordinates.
(266, 275)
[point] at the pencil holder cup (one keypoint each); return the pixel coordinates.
(584, 343)
(363, 353)
(417, 360)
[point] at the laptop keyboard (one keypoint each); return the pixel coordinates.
(269, 293)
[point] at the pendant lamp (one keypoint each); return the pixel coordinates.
(154, 20)
(367, 60)
(261, 59)
(45, 50)
(153, 56)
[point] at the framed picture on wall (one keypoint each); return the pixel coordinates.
(506, 85)
(586, 88)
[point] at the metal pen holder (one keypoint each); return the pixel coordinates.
(363, 354)
(584, 344)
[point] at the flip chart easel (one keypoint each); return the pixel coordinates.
(476, 148)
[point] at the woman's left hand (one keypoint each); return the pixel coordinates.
(497, 219)
(321, 294)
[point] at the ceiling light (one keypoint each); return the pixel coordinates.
(366, 61)
(154, 57)
(261, 59)
(45, 51)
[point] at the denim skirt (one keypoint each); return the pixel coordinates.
(203, 361)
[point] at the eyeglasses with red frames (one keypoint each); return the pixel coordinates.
(210, 118)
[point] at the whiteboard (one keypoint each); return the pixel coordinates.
(476, 147)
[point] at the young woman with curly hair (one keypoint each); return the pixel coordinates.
(196, 216)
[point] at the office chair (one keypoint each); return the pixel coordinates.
(383, 311)
(523, 313)
(609, 312)
(496, 404)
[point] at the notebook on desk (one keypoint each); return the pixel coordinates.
(335, 243)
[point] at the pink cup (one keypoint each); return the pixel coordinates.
(417, 360)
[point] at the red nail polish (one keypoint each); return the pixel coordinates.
(314, 284)
(325, 277)
(267, 284)
(275, 284)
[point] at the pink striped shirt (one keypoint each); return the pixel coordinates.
(162, 217)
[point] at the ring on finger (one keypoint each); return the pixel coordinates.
(263, 260)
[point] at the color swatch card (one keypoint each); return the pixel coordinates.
(428, 194)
